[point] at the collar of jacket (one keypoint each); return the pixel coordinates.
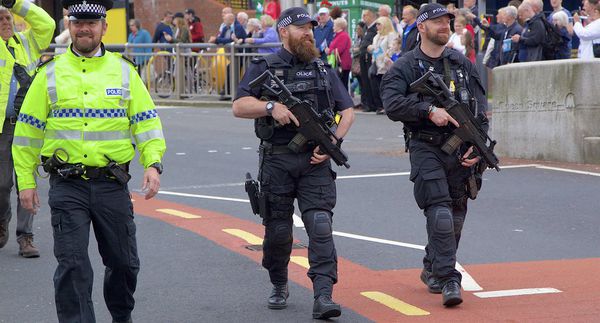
(102, 51)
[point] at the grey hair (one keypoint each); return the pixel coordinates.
(511, 11)
(560, 17)
(386, 8)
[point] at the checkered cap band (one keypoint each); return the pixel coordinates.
(422, 17)
(284, 22)
(85, 8)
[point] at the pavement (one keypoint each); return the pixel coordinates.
(528, 246)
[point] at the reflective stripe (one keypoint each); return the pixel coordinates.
(125, 70)
(66, 113)
(150, 134)
(31, 67)
(31, 120)
(51, 82)
(106, 135)
(26, 45)
(144, 115)
(28, 142)
(90, 136)
(24, 9)
(89, 113)
(2, 63)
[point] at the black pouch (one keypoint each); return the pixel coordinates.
(596, 48)
(264, 205)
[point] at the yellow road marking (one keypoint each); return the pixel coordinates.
(178, 213)
(299, 260)
(249, 237)
(394, 303)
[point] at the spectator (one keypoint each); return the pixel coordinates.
(195, 25)
(242, 19)
(232, 31)
(473, 10)
(366, 96)
(359, 33)
(459, 29)
(163, 29)
(273, 9)
(557, 7)
(269, 35)
(561, 21)
(499, 32)
(224, 12)
(335, 13)
(469, 46)
(509, 48)
(323, 31)
(139, 35)
(181, 32)
(382, 43)
(395, 51)
(410, 32)
(253, 28)
(534, 33)
(341, 44)
(590, 34)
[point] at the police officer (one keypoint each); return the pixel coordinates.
(286, 174)
(80, 113)
(19, 52)
(439, 179)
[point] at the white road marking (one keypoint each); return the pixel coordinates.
(297, 221)
(246, 148)
(373, 175)
(517, 292)
(204, 196)
(180, 154)
(468, 283)
(212, 151)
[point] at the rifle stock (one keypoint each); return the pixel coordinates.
(470, 130)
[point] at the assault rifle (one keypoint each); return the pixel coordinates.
(312, 124)
(470, 130)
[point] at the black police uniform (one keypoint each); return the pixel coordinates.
(439, 179)
(285, 175)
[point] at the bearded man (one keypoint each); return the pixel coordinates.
(305, 173)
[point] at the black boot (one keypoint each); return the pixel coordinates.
(432, 284)
(278, 298)
(325, 308)
(451, 294)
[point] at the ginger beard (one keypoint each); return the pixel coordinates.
(304, 48)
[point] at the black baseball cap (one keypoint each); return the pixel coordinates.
(295, 16)
(190, 11)
(178, 15)
(431, 11)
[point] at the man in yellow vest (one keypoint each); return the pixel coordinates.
(80, 113)
(19, 53)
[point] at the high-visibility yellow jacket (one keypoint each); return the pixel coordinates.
(28, 46)
(90, 107)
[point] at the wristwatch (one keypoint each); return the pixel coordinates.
(431, 109)
(158, 167)
(269, 107)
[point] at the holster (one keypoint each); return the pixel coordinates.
(120, 174)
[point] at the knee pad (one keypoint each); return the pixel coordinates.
(282, 234)
(319, 223)
(442, 220)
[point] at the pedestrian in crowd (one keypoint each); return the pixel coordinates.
(557, 7)
(94, 141)
(286, 175)
(232, 31)
(590, 34)
(470, 10)
(385, 10)
(323, 31)
(64, 37)
(509, 48)
(395, 51)
(195, 26)
(181, 32)
(335, 13)
(19, 53)
(225, 11)
(341, 45)
(496, 32)
(269, 36)
(139, 35)
(273, 9)
(359, 33)
(410, 33)
(382, 43)
(366, 96)
(534, 33)
(467, 42)
(242, 18)
(455, 39)
(164, 29)
(439, 178)
(253, 28)
(561, 21)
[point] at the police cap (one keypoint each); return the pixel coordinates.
(431, 11)
(87, 9)
(295, 16)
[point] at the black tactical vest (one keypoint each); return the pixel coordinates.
(306, 81)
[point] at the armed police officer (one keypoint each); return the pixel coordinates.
(439, 178)
(18, 55)
(303, 172)
(80, 113)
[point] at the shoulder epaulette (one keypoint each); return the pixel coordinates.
(43, 63)
(127, 59)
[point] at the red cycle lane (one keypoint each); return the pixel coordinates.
(399, 294)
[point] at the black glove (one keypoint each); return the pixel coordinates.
(8, 3)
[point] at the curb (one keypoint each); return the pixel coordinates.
(193, 103)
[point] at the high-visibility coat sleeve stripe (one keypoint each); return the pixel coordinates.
(149, 135)
(28, 142)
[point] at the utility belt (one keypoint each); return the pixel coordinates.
(11, 120)
(269, 149)
(433, 138)
(118, 172)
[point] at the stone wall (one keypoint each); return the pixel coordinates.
(548, 110)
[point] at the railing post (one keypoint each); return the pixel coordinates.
(234, 73)
(179, 77)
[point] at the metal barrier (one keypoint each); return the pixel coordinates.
(190, 71)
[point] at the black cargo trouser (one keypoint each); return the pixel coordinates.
(440, 191)
(75, 204)
(285, 177)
